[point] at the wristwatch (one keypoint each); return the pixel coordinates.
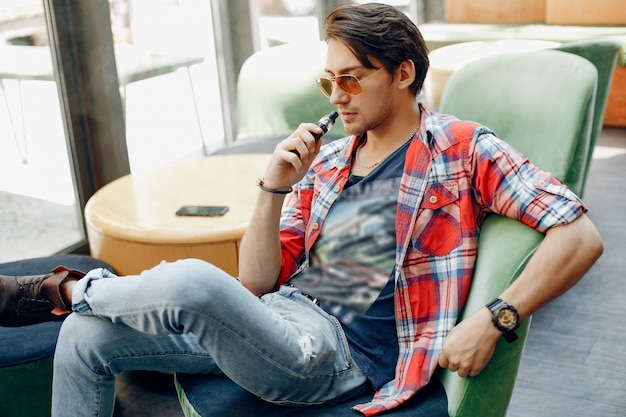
(505, 318)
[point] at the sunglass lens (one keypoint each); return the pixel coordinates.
(325, 85)
(349, 84)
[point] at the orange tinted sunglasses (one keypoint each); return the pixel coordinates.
(348, 83)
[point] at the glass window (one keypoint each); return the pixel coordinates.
(173, 109)
(39, 214)
(285, 21)
(166, 64)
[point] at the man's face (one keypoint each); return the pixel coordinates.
(372, 105)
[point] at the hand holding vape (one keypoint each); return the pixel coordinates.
(325, 123)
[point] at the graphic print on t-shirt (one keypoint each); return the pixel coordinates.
(354, 256)
(351, 267)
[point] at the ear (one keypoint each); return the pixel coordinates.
(406, 73)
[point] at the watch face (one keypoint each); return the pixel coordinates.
(507, 318)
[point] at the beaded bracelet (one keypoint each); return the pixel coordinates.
(270, 190)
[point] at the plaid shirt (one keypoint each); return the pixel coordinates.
(455, 174)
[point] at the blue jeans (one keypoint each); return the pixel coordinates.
(191, 317)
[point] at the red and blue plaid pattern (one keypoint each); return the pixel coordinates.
(455, 173)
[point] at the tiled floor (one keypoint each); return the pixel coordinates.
(575, 359)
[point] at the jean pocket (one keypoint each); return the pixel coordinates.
(343, 359)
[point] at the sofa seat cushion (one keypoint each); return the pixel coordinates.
(216, 395)
(20, 345)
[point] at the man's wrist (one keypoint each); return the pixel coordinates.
(505, 318)
(493, 332)
(261, 184)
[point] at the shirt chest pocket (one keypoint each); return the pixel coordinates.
(437, 229)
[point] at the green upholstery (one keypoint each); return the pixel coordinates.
(26, 388)
(602, 53)
(505, 247)
(276, 91)
(188, 409)
(541, 102)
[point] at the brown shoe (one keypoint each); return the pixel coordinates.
(30, 299)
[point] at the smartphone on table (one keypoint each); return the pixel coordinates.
(206, 211)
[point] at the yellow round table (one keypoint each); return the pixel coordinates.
(132, 223)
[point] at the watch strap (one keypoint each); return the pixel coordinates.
(510, 336)
(495, 306)
(496, 303)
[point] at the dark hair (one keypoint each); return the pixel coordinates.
(380, 31)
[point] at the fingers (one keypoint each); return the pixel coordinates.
(470, 345)
(293, 156)
(302, 144)
(462, 369)
(464, 362)
(471, 365)
(300, 148)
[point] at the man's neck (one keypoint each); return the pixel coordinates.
(393, 133)
(381, 142)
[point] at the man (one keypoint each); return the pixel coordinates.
(357, 259)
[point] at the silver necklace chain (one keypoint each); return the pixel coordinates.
(375, 164)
